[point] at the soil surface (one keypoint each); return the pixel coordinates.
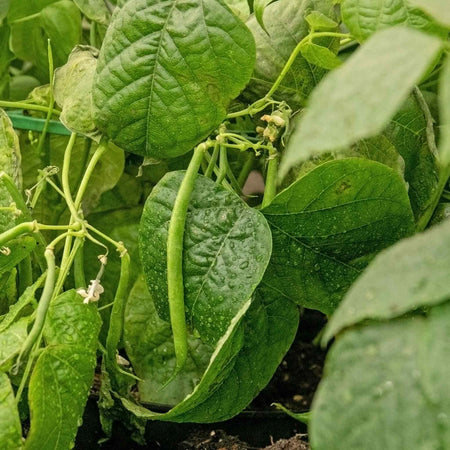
(219, 440)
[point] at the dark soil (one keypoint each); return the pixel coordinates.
(297, 442)
(214, 440)
(219, 440)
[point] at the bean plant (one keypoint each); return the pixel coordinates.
(136, 266)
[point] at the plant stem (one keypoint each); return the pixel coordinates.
(444, 175)
(78, 268)
(245, 171)
(213, 160)
(65, 177)
(42, 309)
(175, 239)
(93, 35)
(216, 170)
(223, 164)
(116, 318)
(119, 245)
(90, 168)
(295, 53)
(26, 106)
(65, 267)
(270, 189)
(18, 230)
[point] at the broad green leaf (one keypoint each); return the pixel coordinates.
(286, 27)
(60, 22)
(149, 345)
(444, 110)
(320, 21)
(227, 246)
(20, 10)
(10, 164)
(10, 426)
(320, 56)
(240, 8)
(164, 82)
(15, 251)
(378, 148)
(438, 9)
(73, 91)
(358, 99)
(240, 366)
(72, 322)
(11, 341)
(385, 386)
(410, 275)
(326, 222)
(95, 10)
(365, 17)
(60, 381)
(57, 394)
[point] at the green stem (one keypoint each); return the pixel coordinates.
(216, 171)
(254, 108)
(65, 267)
(90, 168)
(18, 230)
(25, 375)
(444, 175)
(42, 309)
(270, 189)
(213, 160)
(55, 187)
(295, 53)
(65, 177)
(245, 171)
(26, 106)
(87, 150)
(116, 318)
(93, 35)
(175, 259)
(119, 245)
(223, 164)
(78, 268)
